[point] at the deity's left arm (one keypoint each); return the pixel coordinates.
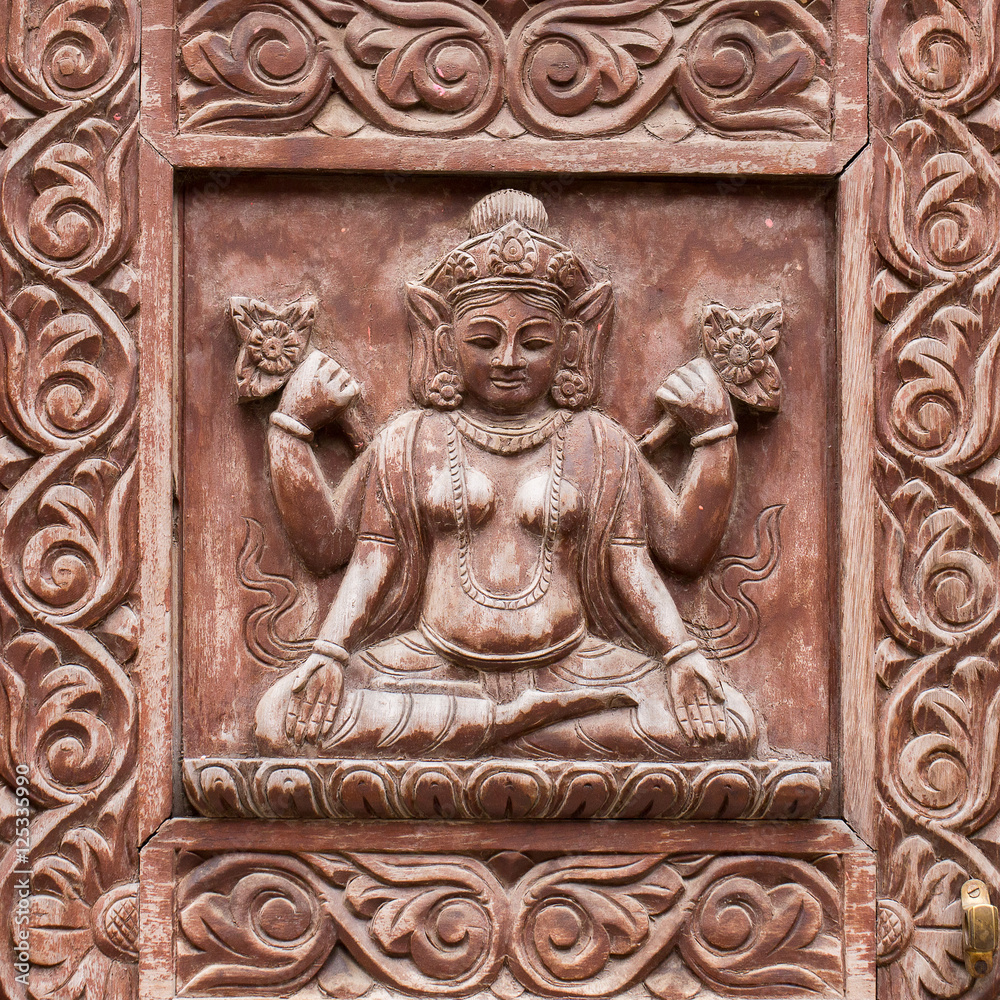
(685, 526)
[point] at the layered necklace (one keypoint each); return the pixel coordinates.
(509, 440)
(503, 442)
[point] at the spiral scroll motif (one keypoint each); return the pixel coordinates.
(68, 714)
(407, 68)
(577, 71)
(936, 227)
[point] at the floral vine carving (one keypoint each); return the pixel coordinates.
(445, 68)
(447, 925)
(68, 620)
(936, 226)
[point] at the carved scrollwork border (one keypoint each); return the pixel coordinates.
(935, 226)
(68, 467)
(69, 291)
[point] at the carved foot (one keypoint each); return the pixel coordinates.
(534, 709)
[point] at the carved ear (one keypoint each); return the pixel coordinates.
(427, 312)
(445, 355)
(572, 339)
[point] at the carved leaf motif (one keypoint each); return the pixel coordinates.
(575, 70)
(267, 71)
(574, 920)
(741, 75)
(926, 915)
(446, 915)
(251, 919)
(941, 190)
(938, 585)
(71, 50)
(438, 60)
(415, 68)
(774, 930)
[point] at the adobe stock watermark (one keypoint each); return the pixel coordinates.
(21, 896)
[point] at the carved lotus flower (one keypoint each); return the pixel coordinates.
(739, 343)
(274, 341)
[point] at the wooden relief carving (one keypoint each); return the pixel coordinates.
(451, 925)
(484, 918)
(453, 68)
(68, 471)
(935, 222)
(501, 643)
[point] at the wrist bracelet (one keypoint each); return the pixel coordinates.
(714, 434)
(678, 652)
(333, 650)
(291, 426)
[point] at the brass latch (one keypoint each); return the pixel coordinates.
(980, 928)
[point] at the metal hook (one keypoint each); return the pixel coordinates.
(980, 928)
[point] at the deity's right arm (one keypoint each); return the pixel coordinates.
(369, 574)
(322, 522)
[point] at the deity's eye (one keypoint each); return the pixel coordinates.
(484, 340)
(536, 343)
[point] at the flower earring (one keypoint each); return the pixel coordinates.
(570, 388)
(445, 390)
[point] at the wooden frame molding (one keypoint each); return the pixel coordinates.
(934, 224)
(86, 635)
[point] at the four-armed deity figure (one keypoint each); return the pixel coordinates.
(501, 595)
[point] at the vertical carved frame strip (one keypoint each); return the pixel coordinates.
(69, 484)
(936, 229)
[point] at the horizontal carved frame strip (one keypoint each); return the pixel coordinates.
(469, 908)
(715, 85)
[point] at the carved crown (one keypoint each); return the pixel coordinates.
(508, 248)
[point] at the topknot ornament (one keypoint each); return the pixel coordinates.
(510, 205)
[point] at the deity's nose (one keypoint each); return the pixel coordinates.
(508, 355)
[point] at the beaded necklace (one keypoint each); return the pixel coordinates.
(542, 576)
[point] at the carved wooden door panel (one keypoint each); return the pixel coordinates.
(499, 499)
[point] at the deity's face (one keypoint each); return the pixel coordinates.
(508, 353)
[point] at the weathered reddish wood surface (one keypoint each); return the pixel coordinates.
(934, 222)
(903, 698)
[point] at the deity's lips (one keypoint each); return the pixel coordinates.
(508, 383)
